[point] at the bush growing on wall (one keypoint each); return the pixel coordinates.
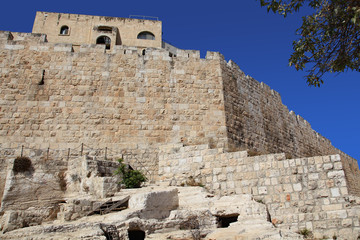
(130, 178)
(22, 164)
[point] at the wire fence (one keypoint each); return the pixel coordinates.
(139, 159)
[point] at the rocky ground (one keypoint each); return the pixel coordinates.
(167, 213)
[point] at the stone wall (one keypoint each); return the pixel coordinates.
(352, 173)
(130, 101)
(126, 100)
(133, 101)
(41, 185)
(90, 176)
(256, 119)
(37, 194)
(30, 195)
(300, 193)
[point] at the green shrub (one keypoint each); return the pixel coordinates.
(192, 182)
(130, 178)
(22, 164)
(305, 232)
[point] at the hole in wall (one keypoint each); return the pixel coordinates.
(224, 221)
(42, 78)
(22, 165)
(136, 234)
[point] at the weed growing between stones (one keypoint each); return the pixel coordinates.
(259, 201)
(305, 232)
(130, 178)
(62, 181)
(193, 183)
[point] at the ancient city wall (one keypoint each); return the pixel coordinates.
(300, 193)
(135, 100)
(129, 99)
(256, 119)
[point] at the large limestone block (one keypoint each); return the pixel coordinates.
(251, 229)
(243, 205)
(157, 204)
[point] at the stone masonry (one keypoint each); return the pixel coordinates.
(127, 100)
(302, 193)
(85, 29)
(177, 117)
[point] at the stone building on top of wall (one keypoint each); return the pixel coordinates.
(86, 29)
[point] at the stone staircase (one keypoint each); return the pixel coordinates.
(111, 206)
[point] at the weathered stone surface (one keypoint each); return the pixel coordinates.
(250, 229)
(297, 194)
(155, 204)
(60, 102)
(185, 222)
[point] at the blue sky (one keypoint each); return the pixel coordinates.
(260, 43)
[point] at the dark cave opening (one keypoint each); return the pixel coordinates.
(136, 234)
(224, 221)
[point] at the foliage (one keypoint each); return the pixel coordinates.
(192, 182)
(305, 233)
(259, 201)
(329, 39)
(62, 181)
(130, 178)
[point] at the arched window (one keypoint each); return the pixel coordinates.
(104, 40)
(64, 30)
(146, 35)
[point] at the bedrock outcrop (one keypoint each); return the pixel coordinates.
(167, 213)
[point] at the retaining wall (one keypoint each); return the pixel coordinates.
(299, 193)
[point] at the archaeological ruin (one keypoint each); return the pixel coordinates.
(223, 156)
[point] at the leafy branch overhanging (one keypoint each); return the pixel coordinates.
(329, 39)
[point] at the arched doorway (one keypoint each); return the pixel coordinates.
(104, 40)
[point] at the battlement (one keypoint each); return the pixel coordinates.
(38, 42)
(86, 17)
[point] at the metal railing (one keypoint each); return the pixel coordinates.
(131, 157)
(144, 17)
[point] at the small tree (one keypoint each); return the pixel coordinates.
(130, 178)
(329, 38)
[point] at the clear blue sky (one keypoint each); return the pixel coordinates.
(260, 43)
